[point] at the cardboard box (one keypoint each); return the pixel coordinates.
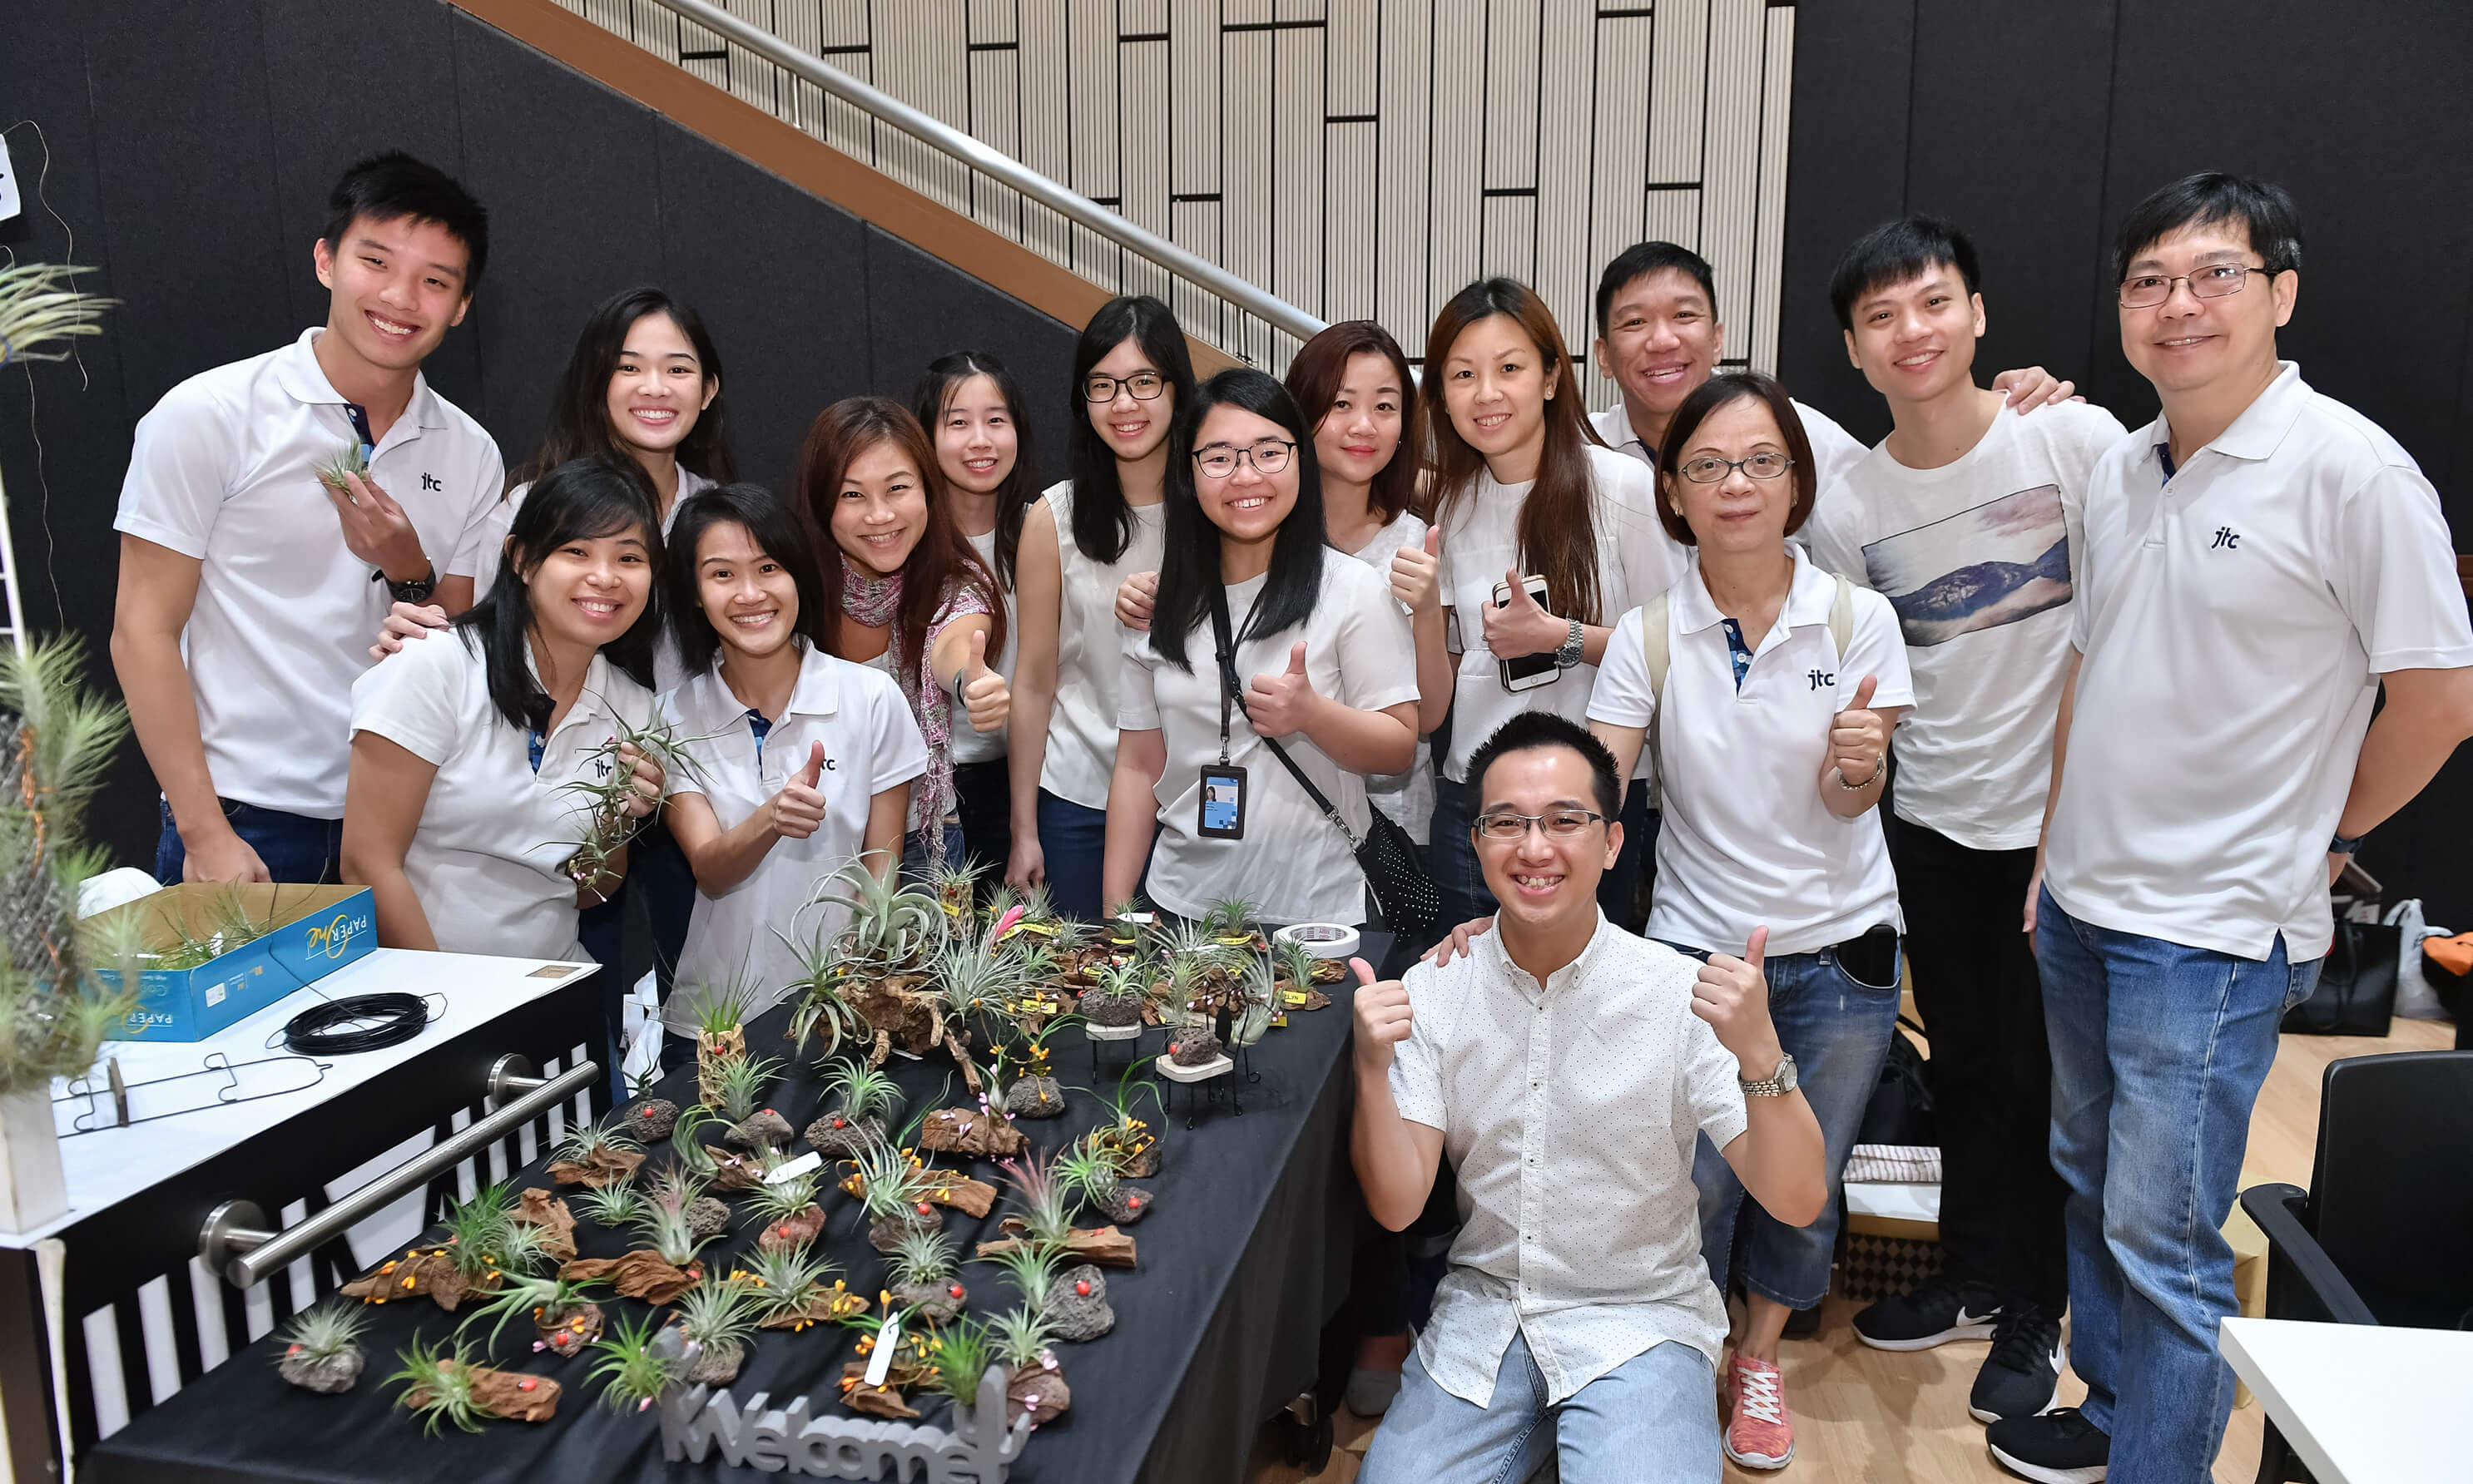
(304, 933)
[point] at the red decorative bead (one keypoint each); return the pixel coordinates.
(1082, 1286)
(528, 1383)
(955, 1291)
(837, 1123)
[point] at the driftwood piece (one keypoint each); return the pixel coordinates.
(971, 1130)
(506, 1394)
(1105, 1246)
(642, 1274)
(606, 1167)
(420, 1271)
(543, 1209)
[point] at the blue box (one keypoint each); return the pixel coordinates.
(303, 933)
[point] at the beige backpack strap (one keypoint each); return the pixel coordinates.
(1656, 650)
(1841, 617)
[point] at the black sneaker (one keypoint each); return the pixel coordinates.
(1933, 1315)
(2022, 1374)
(2058, 1447)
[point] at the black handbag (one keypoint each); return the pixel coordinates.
(2357, 983)
(1900, 1110)
(1411, 902)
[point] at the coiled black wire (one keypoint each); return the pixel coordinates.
(393, 1019)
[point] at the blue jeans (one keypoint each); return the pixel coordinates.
(295, 848)
(1074, 840)
(1838, 1029)
(1452, 855)
(1661, 1405)
(2158, 1051)
(914, 850)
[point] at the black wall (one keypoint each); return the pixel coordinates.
(191, 149)
(2038, 127)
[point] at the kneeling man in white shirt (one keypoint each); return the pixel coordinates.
(1568, 1068)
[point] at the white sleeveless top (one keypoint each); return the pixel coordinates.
(1081, 756)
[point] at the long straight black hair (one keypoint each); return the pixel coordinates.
(581, 499)
(1103, 523)
(1189, 567)
(936, 386)
(579, 409)
(776, 532)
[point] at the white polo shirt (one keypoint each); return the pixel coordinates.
(487, 542)
(1636, 561)
(970, 745)
(1835, 449)
(1081, 756)
(1291, 864)
(2234, 621)
(224, 471)
(484, 859)
(1747, 840)
(872, 743)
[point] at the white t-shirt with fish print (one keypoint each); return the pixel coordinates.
(1979, 558)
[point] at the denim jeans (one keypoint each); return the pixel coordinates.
(295, 848)
(1838, 1029)
(914, 850)
(1074, 841)
(2158, 1051)
(1452, 855)
(1661, 1405)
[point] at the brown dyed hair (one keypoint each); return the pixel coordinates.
(943, 558)
(1557, 531)
(1313, 379)
(1706, 398)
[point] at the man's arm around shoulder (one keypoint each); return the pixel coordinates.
(1395, 1157)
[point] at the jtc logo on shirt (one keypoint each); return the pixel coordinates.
(1820, 678)
(2226, 540)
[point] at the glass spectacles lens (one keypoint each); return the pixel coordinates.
(1704, 471)
(1765, 465)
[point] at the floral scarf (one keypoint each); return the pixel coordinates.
(875, 601)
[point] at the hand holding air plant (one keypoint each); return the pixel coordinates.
(629, 772)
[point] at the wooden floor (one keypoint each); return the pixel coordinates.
(1871, 1416)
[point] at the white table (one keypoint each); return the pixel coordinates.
(2363, 1403)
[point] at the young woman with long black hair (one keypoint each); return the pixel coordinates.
(903, 592)
(972, 409)
(1132, 375)
(1314, 640)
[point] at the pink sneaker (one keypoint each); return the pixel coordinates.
(1760, 1431)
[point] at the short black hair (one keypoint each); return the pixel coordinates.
(1531, 730)
(1643, 258)
(581, 499)
(1894, 253)
(2208, 199)
(390, 186)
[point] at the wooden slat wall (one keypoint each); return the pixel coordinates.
(1354, 156)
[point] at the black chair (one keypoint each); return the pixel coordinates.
(2384, 1234)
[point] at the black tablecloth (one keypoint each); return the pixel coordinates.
(1245, 1258)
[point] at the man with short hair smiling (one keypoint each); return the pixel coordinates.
(1569, 1067)
(251, 580)
(2259, 562)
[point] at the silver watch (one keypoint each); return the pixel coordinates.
(1777, 1083)
(1572, 648)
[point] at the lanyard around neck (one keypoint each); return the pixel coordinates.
(1226, 647)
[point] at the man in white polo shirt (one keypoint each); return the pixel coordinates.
(1570, 1068)
(256, 556)
(1966, 521)
(2259, 562)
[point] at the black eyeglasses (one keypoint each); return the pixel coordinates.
(2216, 280)
(1268, 457)
(1708, 469)
(1504, 826)
(1142, 386)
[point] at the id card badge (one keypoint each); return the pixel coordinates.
(1223, 803)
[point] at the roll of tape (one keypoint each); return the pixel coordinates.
(1322, 940)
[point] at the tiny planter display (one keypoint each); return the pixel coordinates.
(862, 1097)
(785, 1212)
(565, 1316)
(721, 1036)
(661, 1270)
(483, 1244)
(321, 1349)
(1043, 1207)
(911, 1364)
(440, 1386)
(892, 1184)
(717, 1321)
(789, 1288)
(1090, 1171)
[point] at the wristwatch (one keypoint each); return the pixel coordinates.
(2347, 844)
(1570, 653)
(1777, 1083)
(418, 590)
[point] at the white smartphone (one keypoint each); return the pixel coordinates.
(1529, 671)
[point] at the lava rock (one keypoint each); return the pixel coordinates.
(1126, 1203)
(938, 1303)
(833, 1136)
(1035, 1098)
(766, 1128)
(1078, 1314)
(651, 1119)
(710, 1216)
(331, 1374)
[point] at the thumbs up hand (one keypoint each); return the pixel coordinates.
(1416, 573)
(1858, 738)
(1282, 704)
(1517, 628)
(1380, 1021)
(1733, 995)
(985, 695)
(797, 810)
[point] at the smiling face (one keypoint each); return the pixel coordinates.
(1133, 428)
(659, 388)
(1543, 880)
(749, 598)
(882, 509)
(590, 590)
(2187, 344)
(975, 442)
(1661, 339)
(1737, 513)
(397, 287)
(1249, 505)
(1496, 385)
(1356, 438)
(1914, 340)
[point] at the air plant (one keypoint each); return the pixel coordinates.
(1116, 1000)
(922, 1272)
(669, 1230)
(610, 787)
(973, 980)
(596, 1155)
(912, 1362)
(892, 924)
(636, 1364)
(437, 1386)
(1035, 1383)
(740, 1084)
(1090, 1171)
(958, 1357)
(688, 1149)
(1018, 1336)
(38, 308)
(788, 1285)
(685, 1187)
(1043, 1203)
(1127, 1141)
(717, 1319)
(563, 1309)
(825, 1010)
(321, 1351)
(954, 885)
(720, 1012)
(1127, 922)
(483, 1244)
(862, 1097)
(346, 463)
(787, 1212)
(1258, 1001)
(619, 1204)
(1031, 1266)
(1230, 920)
(1036, 1093)
(893, 1185)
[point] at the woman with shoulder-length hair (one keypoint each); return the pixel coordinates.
(1259, 632)
(903, 592)
(1132, 376)
(1523, 491)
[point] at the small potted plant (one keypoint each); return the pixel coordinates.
(1229, 922)
(922, 1276)
(614, 1206)
(1299, 973)
(321, 1349)
(786, 1212)
(1035, 1383)
(741, 1084)
(893, 1185)
(716, 1319)
(595, 1155)
(985, 1132)
(445, 1386)
(955, 884)
(1089, 1170)
(566, 1317)
(862, 1098)
(482, 1245)
(1127, 923)
(637, 1360)
(1112, 1008)
(665, 1267)
(789, 1288)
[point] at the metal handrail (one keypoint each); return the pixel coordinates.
(931, 130)
(236, 1242)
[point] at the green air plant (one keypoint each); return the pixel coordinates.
(1043, 1203)
(39, 310)
(1125, 1137)
(604, 796)
(958, 1357)
(892, 924)
(1294, 963)
(977, 985)
(954, 885)
(787, 1212)
(717, 1319)
(619, 1204)
(564, 1311)
(720, 1012)
(860, 1098)
(740, 1087)
(921, 1274)
(341, 466)
(596, 1155)
(688, 1149)
(1258, 1001)
(1018, 1336)
(636, 1363)
(824, 1011)
(1230, 922)
(1036, 1094)
(321, 1349)
(685, 1187)
(482, 1245)
(793, 1287)
(1116, 1000)
(437, 1386)
(1031, 1267)
(1034, 1381)
(669, 1229)
(894, 1185)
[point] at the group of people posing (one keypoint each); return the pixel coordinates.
(1633, 683)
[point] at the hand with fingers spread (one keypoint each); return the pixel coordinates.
(646, 796)
(1460, 943)
(406, 621)
(1733, 995)
(985, 695)
(1135, 597)
(1282, 704)
(1519, 628)
(797, 810)
(375, 528)
(1416, 573)
(1382, 1018)
(1858, 738)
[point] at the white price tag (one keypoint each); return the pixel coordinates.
(880, 1363)
(792, 1169)
(9, 204)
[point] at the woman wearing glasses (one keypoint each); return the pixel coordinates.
(1773, 688)
(1260, 632)
(1131, 380)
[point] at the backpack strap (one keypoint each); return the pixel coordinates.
(1656, 648)
(1842, 616)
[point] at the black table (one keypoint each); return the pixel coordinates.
(1244, 1261)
